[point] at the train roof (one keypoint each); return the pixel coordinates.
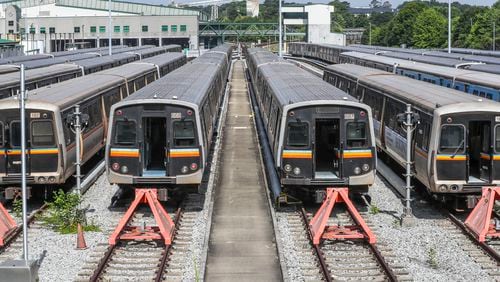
(495, 69)
(16, 59)
(188, 82)
(98, 61)
(13, 78)
(475, 52)
(468, 75)
(162, 59)
(423, 94)
(57, 60)
(448, 62)
(465, 57)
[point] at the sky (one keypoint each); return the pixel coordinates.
(354, 3)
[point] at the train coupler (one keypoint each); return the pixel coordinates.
(165, 225)
(320, 230)
(12, 192)
(480, 221)
(7, 225)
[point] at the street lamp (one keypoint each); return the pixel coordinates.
(370, 37)
(109, 27)
(280, 51)
(22, 105)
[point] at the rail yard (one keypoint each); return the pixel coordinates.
(240, 164)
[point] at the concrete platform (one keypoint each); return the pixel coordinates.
(241, 246)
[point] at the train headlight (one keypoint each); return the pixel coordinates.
(365, 167)
(124, 169)
(52, 179)
(357, 170)
(194, 166)
(184, 169)
(443, 188)
(288, 168)
(41, 179)
(115, 166)
(296, 171)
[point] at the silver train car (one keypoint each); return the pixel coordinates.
(160, 137)
(50, 74)
(319, 135)
(51, 143)
(456, 149)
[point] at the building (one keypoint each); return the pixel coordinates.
(50, 25)
(317, 19)
(252, 8)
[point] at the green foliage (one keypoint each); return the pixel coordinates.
(432, 258)
(429, 30)
(400, 29)
(63, 214)
(17, 207)
(374, 209)
(481, 32)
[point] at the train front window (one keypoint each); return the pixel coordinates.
(15, 134)
(356, 134)
(298, 134)
(184, 134)
(126, 131)
(42, 133)
(452, 139)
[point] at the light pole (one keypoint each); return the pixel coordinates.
(109, 27)
(494, 36)
(370, 36)
(449, 26)
(280, 51)
(22, 105)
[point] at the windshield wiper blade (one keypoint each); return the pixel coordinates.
(458, 148)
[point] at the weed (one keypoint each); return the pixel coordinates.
(374, 209)
(63, 214)
(17, 207)
(396, 223)
(432, 258)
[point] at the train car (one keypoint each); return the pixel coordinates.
(455, 149)
(160, 137)
(474, 52)
(319, 135)
(51, 143)
(485, 85)
(326, 52)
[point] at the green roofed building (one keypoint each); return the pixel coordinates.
(49, 25)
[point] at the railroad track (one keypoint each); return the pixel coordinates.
(146, 260)
(486, 254)
(340, 259)
(15, 239)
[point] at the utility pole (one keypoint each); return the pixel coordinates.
(449, 26)
(370, 38)
(280, 51)
(78, 135)
(109, 27)
(494, 36)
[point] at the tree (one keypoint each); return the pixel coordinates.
(481, 33)
(429, 30)
(375, 3)
(400, 29)
(387, 4)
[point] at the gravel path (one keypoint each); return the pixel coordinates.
(426, 242)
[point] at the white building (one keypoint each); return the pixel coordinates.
(48, 25)
(253, 8)
(317, 19)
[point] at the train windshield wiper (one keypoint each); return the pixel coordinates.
(458, 148)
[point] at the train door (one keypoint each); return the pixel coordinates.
(326, 148)
(155, 146)
(479, 151)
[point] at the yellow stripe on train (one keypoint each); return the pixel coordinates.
(184, 153)
(124, 153)
(451, 157)
(297, 154)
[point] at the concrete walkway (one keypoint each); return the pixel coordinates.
(241, 246)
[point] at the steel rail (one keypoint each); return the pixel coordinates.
(383, 263)
(319, 254)
(164, 259)
(102, 264)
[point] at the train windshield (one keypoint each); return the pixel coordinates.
(452, 139)
(356, 135)
(184, 134)
(298, 134)
(125, 132)
(42, 133)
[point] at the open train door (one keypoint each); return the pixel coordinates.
(479, 151)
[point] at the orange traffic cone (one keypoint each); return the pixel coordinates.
(80, 239)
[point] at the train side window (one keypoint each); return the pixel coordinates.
(1, 134)
(497, 138)
(475, 92)
(42, 133)
(15, 134)
(482, 94)
(452, 139)
(184, 134)
(126, 131)
(298, 134)
(489, 96)
(356, 135)
(467, 86)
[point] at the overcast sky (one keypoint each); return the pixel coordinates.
(353, 2)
